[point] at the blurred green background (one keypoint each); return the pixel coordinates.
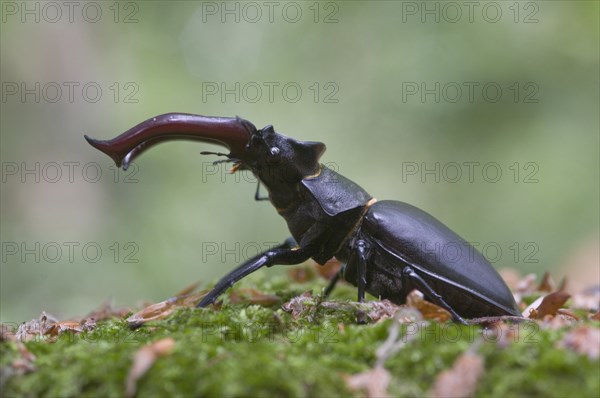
(363, 70)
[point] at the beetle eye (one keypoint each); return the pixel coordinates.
(274, 151)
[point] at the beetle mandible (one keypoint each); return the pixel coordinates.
(387, 248)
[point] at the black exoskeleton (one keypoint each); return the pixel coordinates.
(387, 248)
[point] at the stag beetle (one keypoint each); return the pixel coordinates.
(387, 248)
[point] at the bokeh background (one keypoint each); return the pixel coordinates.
(173, 219)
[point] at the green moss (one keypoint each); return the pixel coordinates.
(251, 350)
(534, 366)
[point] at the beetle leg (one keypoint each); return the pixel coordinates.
(362, 270)
(332, 284)
(362, 277)
(285, 254)
(429, 292)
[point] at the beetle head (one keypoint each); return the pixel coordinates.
(277, 159)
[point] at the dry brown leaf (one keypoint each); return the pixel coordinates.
(36, 328)
(527, 284)
(329, 269)
(143, 360)
(596, 316)
(557, 322)
(584, 340)
(381, 310)
(188, 289)
(588, 299)
(567, 313)
(164, 308)
(302, 274)
(61, 327)
(48, 328)
(524, 287)
(550, 305)
(7, 333)
(297, 305)
(106, 311)
(562, 287)
(461, 380)
(547, 284)
(253, 296)
(511, 276)
(373, 382)
(428, 310)
(25, 362)
(58, 328)
(504, 334)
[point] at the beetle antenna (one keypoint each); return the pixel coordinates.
(216, 162)
(218, 154)
(213, 153)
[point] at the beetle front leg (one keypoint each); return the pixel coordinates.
(332, 283)
(424, 287)
(284, 254)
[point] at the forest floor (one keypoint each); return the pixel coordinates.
(277, 336)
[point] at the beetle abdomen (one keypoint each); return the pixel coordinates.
(452, 267)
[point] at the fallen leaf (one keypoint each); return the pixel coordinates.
(526, 285)
(547, 284)
(164, 308)
(562, 287)
(253, 296)
(143, 360)
(329, 269)
(549, 305)
(596, 316)
(25, 362)
(188, 289)
(556, 322)
(302, 274)
(7, 333)
(373, 382)
(565, 312)
(511, 276)
(429, 310)
(381, 310)
(584, 340)
(461, 380)
(58, 328)
(588, 299)
(36, 328)
(61, 327)
(48, 328)
(297, 305)
(106, 311)
(504, 334)
(530, 311)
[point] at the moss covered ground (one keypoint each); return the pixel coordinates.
(245, 349)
